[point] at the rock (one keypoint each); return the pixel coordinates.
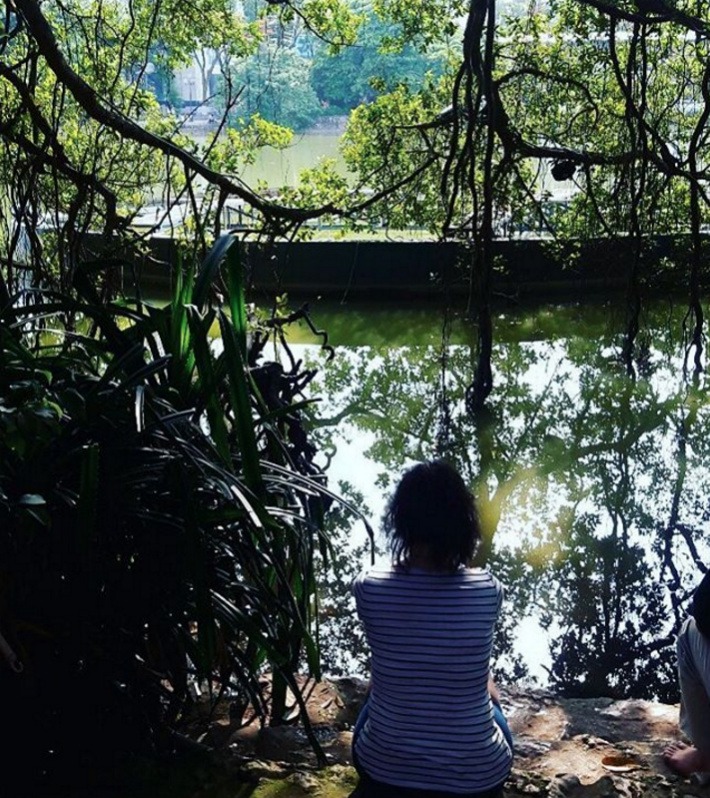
(331, 782)
(218, 734)
(266, 771)
(569, 786)
(351, 693)
(565, 784)
(306, 781)
(525, 749)
(282, 744)
(339, 749)
(619, 720)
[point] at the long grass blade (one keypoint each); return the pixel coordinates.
(239, 393)
(210, 269)
(209, 376)
(237, 301)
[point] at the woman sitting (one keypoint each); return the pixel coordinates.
(432, 725)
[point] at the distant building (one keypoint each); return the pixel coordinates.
(188, 85)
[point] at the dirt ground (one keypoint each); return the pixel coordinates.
(565, 748)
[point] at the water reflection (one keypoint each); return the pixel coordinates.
(593, 490)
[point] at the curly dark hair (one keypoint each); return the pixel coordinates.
(432, 507)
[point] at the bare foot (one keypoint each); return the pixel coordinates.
(685, 759)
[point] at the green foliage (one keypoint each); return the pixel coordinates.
(336, 22)
(159, 518)
(382, 145)
(348, 79)
(617, 93)
(321, 185)
(277, 87)
(241, 145)
(422, 22)
(175, 31)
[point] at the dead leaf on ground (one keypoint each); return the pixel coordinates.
(618, 763)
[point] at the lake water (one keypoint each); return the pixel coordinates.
(277, 168)
(282, 167)
(593, 488)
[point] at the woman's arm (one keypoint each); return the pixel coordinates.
(493, 690)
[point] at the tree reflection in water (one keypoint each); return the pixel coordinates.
(592, 489)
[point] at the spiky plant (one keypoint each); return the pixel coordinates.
(158, 517)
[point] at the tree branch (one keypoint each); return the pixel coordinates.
(87, 98)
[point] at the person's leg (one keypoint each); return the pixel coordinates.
(693, 651)
(502, 723)
(361, 719)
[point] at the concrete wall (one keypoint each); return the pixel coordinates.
(380, 270)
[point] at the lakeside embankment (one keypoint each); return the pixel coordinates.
(426, 269)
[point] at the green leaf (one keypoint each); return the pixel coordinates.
(210, 373)
(237, 302)
(32, 500)
(239, 394)
(210, 270)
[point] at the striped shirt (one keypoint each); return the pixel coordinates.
(430, 715)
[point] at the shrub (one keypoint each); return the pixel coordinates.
(159, 516)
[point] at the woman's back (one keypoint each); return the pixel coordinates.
(430, 720)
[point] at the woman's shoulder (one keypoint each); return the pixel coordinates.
(379, 574)
(482, 576)
(373, 575)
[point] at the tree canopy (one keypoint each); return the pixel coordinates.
(457, 112)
